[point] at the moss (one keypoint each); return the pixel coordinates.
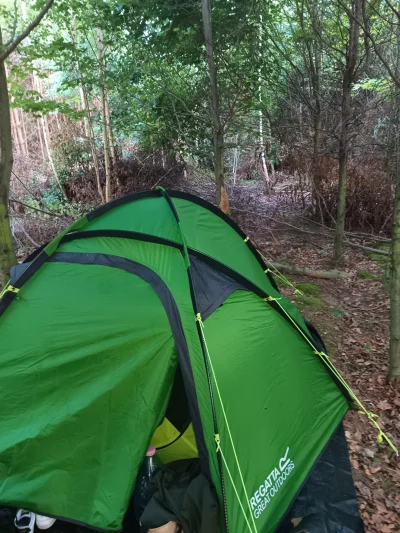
(310, 301)
(287, 282)
(309, 288)
(379, 258)
(338, 312)
(364, 274)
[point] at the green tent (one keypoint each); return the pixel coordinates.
(154, 320)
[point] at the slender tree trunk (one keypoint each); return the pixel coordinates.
(20, 133)
(46, 138)
(103, 95)
(92, 142)
(25, 134)
(260, 115)
(315, 55)
(7, 252)
(84, 106)
(394, 348)
(14, 133)
(88, 124)
(45, 131)
(221, 194)
(235, 160)
(269, 147)
(348, 79)
(58, 122)
(111, 142)
(39, 129)
(17, 133)
(110, 132)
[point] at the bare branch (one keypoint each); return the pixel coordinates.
(51, 213)
(391, 6)
(392, 74)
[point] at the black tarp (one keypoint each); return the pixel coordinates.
(328, 502)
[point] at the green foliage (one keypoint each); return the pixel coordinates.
(338, 312)
(309, 288)
(72, 158)
(52, 200)
(283, 282)
(378, 85)
(365, 274)
(310, 301)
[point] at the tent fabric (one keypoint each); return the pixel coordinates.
(92, 339)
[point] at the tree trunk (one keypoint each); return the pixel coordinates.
(103, 97)
(84, 107)
(20, 133)
(269, 148)
(394, 348)
(88, 124)
(25, 134)
(221, 194)
(348, 79)
(260, 114)
(110, 133)
(46, 135)
(315, 59)
(39, 129)
(7, 252)
(14, 133)
(45, 131)
(92, 142)
(17, 134)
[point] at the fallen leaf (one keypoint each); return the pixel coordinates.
(387, 528)
(369, 453)
(374, 469)
(384, 405)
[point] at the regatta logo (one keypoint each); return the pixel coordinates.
(271, 485)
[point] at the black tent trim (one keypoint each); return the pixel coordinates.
(123, 234)
(183, 196)
(185, 254)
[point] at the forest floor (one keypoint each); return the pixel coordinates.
(352, 315)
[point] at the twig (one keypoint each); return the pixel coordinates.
(51, 213)
(162, 177)
(353, 244)
(21, 227)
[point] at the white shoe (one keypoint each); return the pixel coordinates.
(24, 521)
(44, 522)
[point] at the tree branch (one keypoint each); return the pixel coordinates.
(391, 6)
(14, 25)
(27, 31)
(392, 74)
(51, 213)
